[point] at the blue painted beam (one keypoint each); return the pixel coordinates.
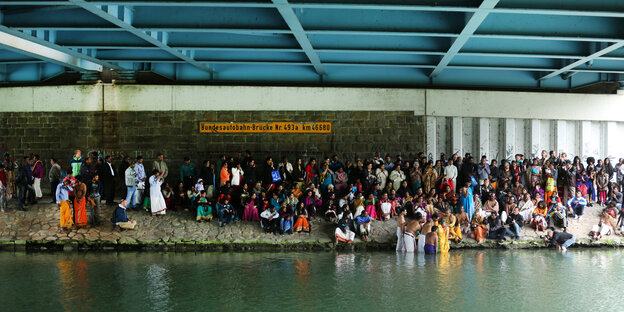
(471, 26)
(340, 6)
(584, 60)
(295, 26)
(347, 51)
(127, 26)
(254, 31)
(48, 51)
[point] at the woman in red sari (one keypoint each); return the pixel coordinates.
(80, 211)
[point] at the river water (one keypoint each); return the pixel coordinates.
(474, 280)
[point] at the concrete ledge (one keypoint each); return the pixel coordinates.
(192, 246)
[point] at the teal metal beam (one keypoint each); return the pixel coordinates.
(471, 26)
(156, 38)
(584, 60)
(337, 6)
(45, 50)
(297, 30)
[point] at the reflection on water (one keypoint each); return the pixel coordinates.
(158, 287)
(74, 280)
(483, 280)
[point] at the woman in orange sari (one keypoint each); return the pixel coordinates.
(478, 227)
(80, 211)
(301, 225)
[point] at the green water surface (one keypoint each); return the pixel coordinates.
(487, 280)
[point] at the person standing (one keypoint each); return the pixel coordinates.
(187, 173)
(142, 176)
(157, 200)
(55, 177)
(62, 199)
(4, 189)
(125, 163)
(87, 171)
(76, 163)
(22, 183)
(160, 165)
(94, 199)
(108, 180)
(131, 179)
(80, 209)
(37, 171)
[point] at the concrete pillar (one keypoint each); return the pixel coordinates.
(609, 135)
(584, 144)
(535, 146)
(431, 139)
(456, 139)
(560, 136)
(510, 138)
(484, 138)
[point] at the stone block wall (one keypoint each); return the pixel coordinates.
(176, 134)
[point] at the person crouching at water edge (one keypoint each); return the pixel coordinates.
(62, 199)
(121, 216)
(343, 231)
(563, 240)
(431, 241)
(362, 223)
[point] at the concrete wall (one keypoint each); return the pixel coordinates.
(123, 118)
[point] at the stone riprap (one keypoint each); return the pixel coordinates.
(38, 228)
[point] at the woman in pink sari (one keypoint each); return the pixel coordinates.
(371, 206)
(251, 211)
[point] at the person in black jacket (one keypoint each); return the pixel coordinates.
(23, 184)
(562, 240)
(107, 176)
(497, 230)
(125, 163)
(515, 222)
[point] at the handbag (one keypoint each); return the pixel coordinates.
(276, 176)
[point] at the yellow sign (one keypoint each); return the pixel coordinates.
(265, 127)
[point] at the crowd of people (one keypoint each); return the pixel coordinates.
(434, 202)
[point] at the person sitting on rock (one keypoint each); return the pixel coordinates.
(270, 220)
(226, 212)
(121, 216)
(515, 222)
(577, 205)
(343, 231)
(606, 226)
(538, 222)
(362, 223)
(204, 208)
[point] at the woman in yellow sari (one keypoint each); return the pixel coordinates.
(443, 236)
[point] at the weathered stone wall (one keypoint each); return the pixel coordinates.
(176, 133)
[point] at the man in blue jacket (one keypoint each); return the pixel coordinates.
(121, 217)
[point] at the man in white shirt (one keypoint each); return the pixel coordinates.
(270, 220)
(451, 171)
(140, 171)
(382, 175)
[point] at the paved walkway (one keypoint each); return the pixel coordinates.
(41, 223)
